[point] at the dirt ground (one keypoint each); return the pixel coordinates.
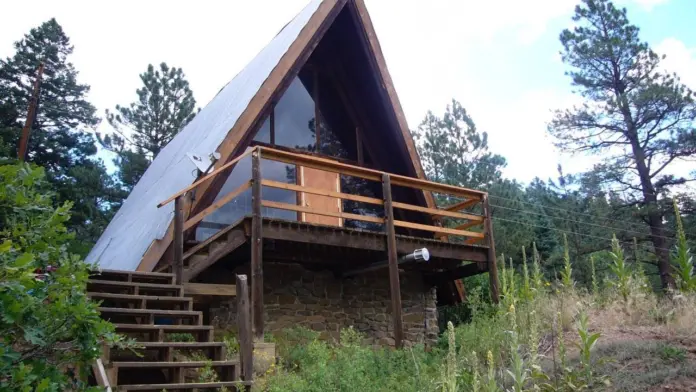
(654, 358)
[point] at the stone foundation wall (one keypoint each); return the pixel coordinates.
(319, 301)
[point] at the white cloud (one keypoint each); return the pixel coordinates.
(431, 49)
(518, 132)
(648, 5)
(679, 59)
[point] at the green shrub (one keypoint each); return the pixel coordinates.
(314, 365)
(49, 327)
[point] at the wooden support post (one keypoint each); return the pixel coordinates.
(492, 263)
(394, 284)
(256, 248)
(246, 348)
(179, 239)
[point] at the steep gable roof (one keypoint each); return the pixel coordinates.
(142, 231)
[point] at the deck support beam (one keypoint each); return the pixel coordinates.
(492, 263)
(394, 285)
(256, 248)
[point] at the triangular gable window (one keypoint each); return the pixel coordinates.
(293, 126)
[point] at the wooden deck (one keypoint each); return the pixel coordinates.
(338, 249)
(455, 234)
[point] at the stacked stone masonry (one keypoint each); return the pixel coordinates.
(319, 301)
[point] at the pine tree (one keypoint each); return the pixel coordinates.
(61, 139)
(141, 130)
(640, 119)
(455, 152)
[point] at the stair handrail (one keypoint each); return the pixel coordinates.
(100, 375)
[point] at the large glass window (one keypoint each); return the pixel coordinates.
(294, 118)
(294, 127)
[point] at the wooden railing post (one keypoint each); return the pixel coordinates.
(256, 248)
(246, 349)
(394, 285)
(178, 263)
(492, 263)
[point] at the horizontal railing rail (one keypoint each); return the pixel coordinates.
(451, 220)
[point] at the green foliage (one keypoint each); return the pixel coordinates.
(208, 374)
(620, 269)
(314, 365)
(61, 139)
(165, 105)
(180, 337)
(518, 371)
(491, 384)
(231, 344)
(585, 345)
(526, 288)
(672, 354)
(567, 272)
(454, 151)
(595, 281)
(681, 258)
(537, 275)
(49, 328)
(450, 371)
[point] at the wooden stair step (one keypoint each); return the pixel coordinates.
(171, 364)
(180, 345)
(184, 386)
(139, 298)
(120, 327)
(178, 314)
(201, 333)
(134, 276)
(164, 351)
(92, 284)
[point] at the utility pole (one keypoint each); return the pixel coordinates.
(31, 113)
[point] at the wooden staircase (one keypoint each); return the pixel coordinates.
(152, 309)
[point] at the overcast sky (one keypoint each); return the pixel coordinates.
(499, 58)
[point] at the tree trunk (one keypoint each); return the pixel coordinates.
(654, 217)
(649, 194)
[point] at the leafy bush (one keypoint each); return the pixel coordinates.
(314, 365)
(50, 329)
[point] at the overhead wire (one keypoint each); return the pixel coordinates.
(617, 229)
(563, 231)
(572, 212)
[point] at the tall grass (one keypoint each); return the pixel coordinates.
(681, 258)
(619, 267)
(498, 348)
(567, 272)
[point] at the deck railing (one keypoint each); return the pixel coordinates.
(467, 225)
(451, 220)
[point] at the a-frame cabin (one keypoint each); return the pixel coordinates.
(302, 172)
